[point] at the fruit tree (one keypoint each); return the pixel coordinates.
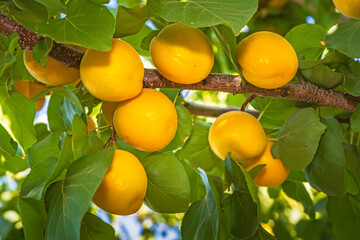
(223, 119)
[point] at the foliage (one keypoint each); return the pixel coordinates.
(57, 167)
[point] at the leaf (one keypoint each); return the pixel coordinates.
(93, 227)
(297, 191)
(306, 40)
(196, 151)
(344, 214)
(57, 5)
(13, 164)
(136, 40)
(69, 95)
(86, 24)
(201, 221)
(326, 171)
(79, 139)
(6, 142)
(129, 20)
(296, 176)
(206, 13)
(68, 200)
(332, 60)
(262, 234)
(41, 50)
(241, 209)
(346, 39)
(168, 184)
(352, 173)
(184, 126)
(298, 139)
(46, 171)
(33, 217)
(49, 147)
(355, 119)
(273, 111)
(68, 111)
(323, 76)
(351, 81)
(17, 114)
(145, 43)
(55, 120)
(228, 41)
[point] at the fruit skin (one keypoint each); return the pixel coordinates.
(108, 110)
(54, 74)
(115, 75)
(350, 8)
(239, 133)
(29, 89)
(123, 188)
(182, 54)
(273, 174)
(267, 60)
(147, 122)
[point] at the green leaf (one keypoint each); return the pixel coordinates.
(352, 173)
(206, 13)
(48, 147)
(33, 217)
(196, 151)
(201, 221)
(17, 115)
(79, 136)
(333, 60)
(68, 94)
(57, 5)
(46, 171)
(306, 40)
(41, 131)
(6, 60)
(29, 12)
(68, 200)
(12, 164)
(197, 188)
(355, 119)
(241, 222)
(228, 41)
(326, 171)
(55, 120)
(137, 39)
(273, 111)
(323, 76)
(298, 139)
(168, 188)
(145, 43)
(68, 111)
(129, 20)
(346, 39)
(93, 227)
(351, 81)
(344, 214)
(296, 176)
(297, 191)
(262, 234)
(86, 24)
(41, 50)
(183, 131)
(6, 142)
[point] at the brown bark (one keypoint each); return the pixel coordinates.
(306, 92)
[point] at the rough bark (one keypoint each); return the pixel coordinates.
(306, 91)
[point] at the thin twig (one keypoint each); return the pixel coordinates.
(111, 140)
(247, 101)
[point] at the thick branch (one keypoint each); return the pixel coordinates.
(306, 92)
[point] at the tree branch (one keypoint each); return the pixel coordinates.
(214, 111)
(306, 92)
